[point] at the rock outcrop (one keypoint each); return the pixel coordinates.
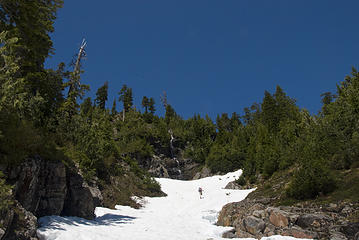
(44, 187)
(205, 172)
(175, 168)
(40, 186)
(256, 219)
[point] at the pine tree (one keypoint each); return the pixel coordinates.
(170, 113)
(145, 103)
(269, 114)
(101, 96)
(113, 110)
(86, 106)
(126, 97)
(151, 106)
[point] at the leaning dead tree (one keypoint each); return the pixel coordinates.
(76, 89)
(75, 76)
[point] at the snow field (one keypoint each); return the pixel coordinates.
(182, 215)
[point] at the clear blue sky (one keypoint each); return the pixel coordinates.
(212, 56)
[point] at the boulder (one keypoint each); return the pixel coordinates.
(243, 234)
(278, 217)
(254, 225)
(259, 213)
(269, 230)
(229, 234)
(227, 215)
(313, 220)
(299, 233)
(233, 185)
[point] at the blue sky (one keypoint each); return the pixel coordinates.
(211, 56)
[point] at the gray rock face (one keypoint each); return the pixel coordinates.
(41, 186)
(205, 172)
(50, 188)
(46, 188)
(79, 200)
(176, 168)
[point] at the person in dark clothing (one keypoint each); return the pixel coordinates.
(200, 190)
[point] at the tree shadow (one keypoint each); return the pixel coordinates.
(58, 223)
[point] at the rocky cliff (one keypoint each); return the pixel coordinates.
(43, 187)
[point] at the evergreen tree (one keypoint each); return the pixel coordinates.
(101, 96)
(126, 97)
(170, 113)
(26, 26)
(151, 106)
(269, 114)
(86, 106)
(145, 103)
(113, 110)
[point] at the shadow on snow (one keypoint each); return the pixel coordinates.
(57, 222)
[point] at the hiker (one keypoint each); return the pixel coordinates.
(200, 190)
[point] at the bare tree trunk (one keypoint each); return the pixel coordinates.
(77, 67)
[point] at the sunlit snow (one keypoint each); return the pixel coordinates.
(182, 215)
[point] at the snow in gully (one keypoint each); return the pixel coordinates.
(181, 215)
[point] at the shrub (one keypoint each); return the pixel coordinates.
(310, 181)
(241, 180)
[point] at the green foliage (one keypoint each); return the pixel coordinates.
(101, 96)
(224, 158)
(151, 106)
(25, 44)
(113, 110)
(126, 97)
(86, 107)
(310, 181)
(145, 103)
(241, 180)
(19, 140)
(5, 194)
(200, 135)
